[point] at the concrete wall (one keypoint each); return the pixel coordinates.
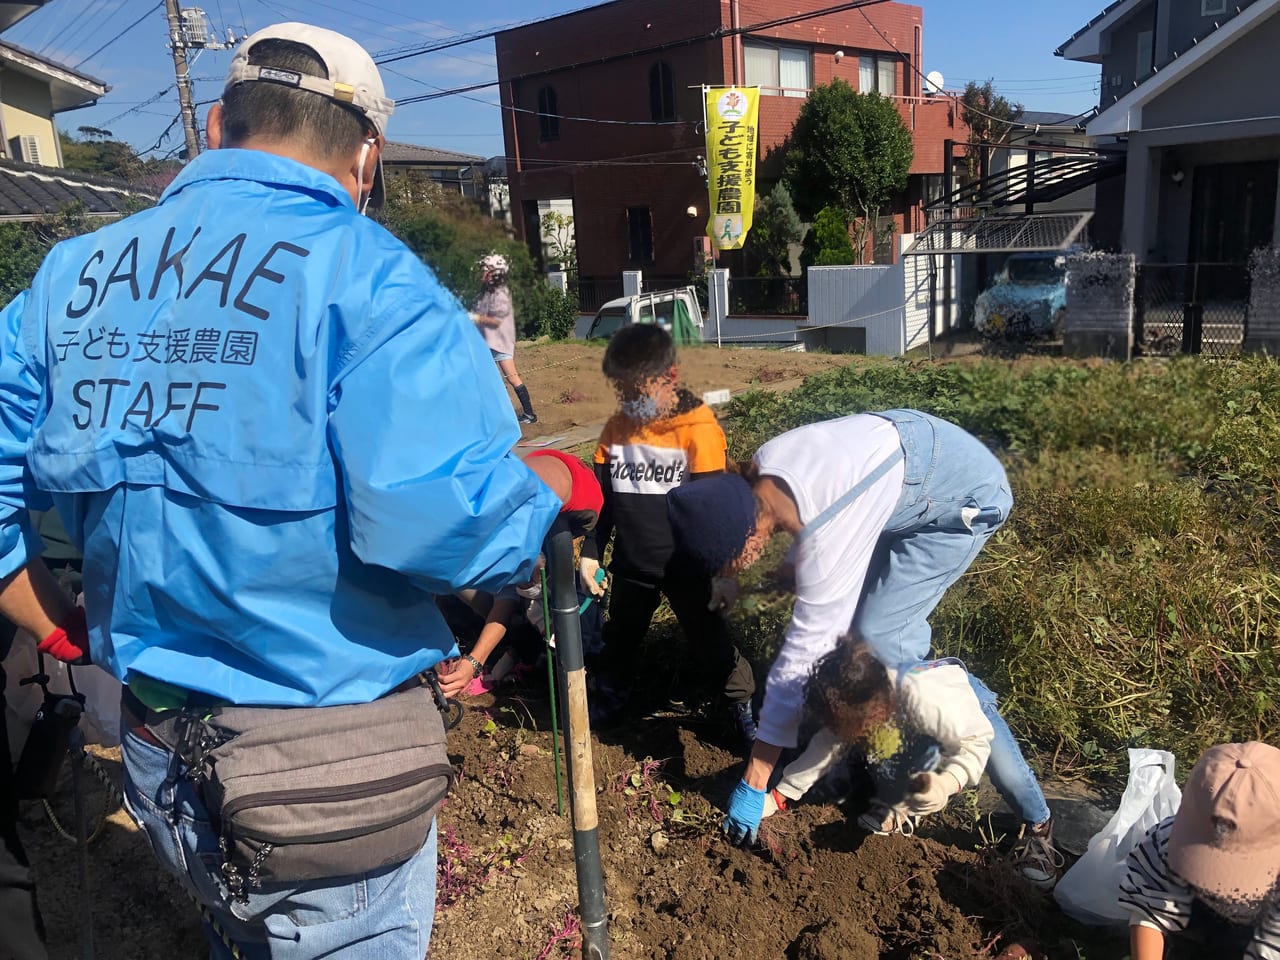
(1236, 84)
(1099, 321)
(1262, 331)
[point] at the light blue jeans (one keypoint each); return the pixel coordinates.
(955, 495)
(384, 914)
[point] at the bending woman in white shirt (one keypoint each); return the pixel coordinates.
(887, 510)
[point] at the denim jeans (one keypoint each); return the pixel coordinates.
(1007, 768)
(385, 913)
(955, 495)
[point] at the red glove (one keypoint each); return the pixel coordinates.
(585, 498)
(69, 642)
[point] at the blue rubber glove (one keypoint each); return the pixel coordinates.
(746, 810)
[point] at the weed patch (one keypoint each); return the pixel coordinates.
(1133, 598)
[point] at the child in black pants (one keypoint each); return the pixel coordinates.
(662, 436)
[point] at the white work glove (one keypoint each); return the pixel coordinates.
(724, 593)
(937, 790)
(588, 568)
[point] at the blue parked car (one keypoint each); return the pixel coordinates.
(1027, 299)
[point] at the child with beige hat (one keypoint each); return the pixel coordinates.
(1212, 870)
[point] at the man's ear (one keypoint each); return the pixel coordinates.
(213, 127)
(370, 157)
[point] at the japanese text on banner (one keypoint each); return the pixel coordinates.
(731, 162)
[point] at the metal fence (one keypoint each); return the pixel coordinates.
(595, 292)
(768, 296)
(1190, 308)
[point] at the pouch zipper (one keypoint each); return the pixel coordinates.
(328, 795)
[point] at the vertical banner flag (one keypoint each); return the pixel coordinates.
(731, 120)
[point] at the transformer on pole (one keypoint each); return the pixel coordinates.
(189, 30)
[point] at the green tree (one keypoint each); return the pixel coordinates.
(97, 154)
(561, 241)
(989, 116)
(849, 151)
(774, 227)
(23, 245)
(827, 243)
(450, 233)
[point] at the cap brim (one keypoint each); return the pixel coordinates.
(1227, 874)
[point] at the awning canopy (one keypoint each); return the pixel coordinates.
(1002, 233)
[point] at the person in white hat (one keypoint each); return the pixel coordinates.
(496, 319)
(225, 397)
(1211, 872)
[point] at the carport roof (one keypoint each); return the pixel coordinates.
(1003, 233)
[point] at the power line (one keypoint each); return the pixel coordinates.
(347, 12)
(85, 27)
(150, 10)
(559, 116)
(140, 106)
(717, 34)
(414, 50)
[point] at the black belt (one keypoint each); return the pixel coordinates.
(156, 726)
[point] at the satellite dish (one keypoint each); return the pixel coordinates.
(933, 83)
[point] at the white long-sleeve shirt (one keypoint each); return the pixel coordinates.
(820, 463)
(935, 701)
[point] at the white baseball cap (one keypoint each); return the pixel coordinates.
(353, 80)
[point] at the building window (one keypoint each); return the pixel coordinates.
(778, 70)
(639, 235)
(662, 93)
(1211, 8)
(548, 118)
(1146, 53)
(878, 75)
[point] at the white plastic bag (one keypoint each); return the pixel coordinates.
(1090, 891)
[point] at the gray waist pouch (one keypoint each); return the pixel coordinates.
(307, 793)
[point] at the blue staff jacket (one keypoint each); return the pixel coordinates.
(273, 434)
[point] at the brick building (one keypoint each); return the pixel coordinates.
(637, 186)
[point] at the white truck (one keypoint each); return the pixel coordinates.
(677, 311)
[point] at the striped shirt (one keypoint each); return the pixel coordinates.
(1157, 897)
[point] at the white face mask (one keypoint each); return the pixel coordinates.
(362, 201)
(641, 408)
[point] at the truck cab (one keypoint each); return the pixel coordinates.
(677, 311)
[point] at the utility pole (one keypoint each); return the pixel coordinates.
(178, 44)
(189, 30)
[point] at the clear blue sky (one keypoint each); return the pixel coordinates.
(1009, 41)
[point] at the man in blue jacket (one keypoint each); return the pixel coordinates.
(275, 437)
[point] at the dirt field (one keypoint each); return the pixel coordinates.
(815, 889)
(568, 389)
